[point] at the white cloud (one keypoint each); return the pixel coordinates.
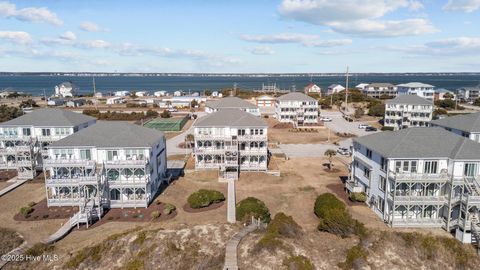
(457, 46)
(261, 50)
(358, 17)
(93, 44)
(462, 5)
(69, 35)
(377, 28)
(303, 39)
(30, 14)
(18, 37)
(91, 27)
(328, 43)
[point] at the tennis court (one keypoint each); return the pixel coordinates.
(167, 124)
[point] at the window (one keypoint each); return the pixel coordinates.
(112, 155)
(26, 132)
(134, 154)
(382, 184)
(366, 172)
(85, 154)
(430, 167)
(369, 153)
(380, 203)
(383, 164)
(241, 132)
(45, 132)
(470, 169)
(413, 166)
(62, 131)
(405, 166)
(398, 166)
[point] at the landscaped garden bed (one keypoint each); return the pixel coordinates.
(39, 211)
(204, 200)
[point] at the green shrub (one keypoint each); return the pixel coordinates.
(25, 211)
(326, 202)
(269, 242)
(204, 198)
(298, 263)
(38, 249)
(387, 128)
(155, 215)
(337, 222)
(169, 208)
(284, 225)
(355, 255)
(252, 207)
(358, 196)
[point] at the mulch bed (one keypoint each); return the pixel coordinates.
(334, 170)
(133, 215)
(212, 206)
(6, 175)
(40, 178)
(42, 212)
(339, 190)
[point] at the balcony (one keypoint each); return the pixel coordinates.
(7, 151)
(353, 186)
(83, 180)
(254, 151)
(141, 163)
(419, 177)
(418, 222)
(50, 138)
(258, 137)
(16, 137)
(209, 150)
(129, 182)
(420, 199)
(212, 137)
(128, 203)
(49, 162)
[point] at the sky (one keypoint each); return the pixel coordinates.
(244, 36)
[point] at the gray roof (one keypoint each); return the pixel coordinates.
(112, 134)
(295, 96)
(230, 118)
(410, 100)
(230, 102)
(50, 118)
(381, 85)
(416, 142)
(467, 122)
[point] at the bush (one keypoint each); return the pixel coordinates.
(298, 263)
(169, 208)
(387, 128)
(165, 114)
(151, 113)
(252, 207)
(38, 249)
(356, 256)
(155, 215)
(358, 196)
(25, 211)
(325, 202)
(204, 198)
(284, 225)
(377, 110)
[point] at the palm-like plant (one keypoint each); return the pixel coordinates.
(330, 153)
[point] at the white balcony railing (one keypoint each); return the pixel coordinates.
(419, 177)
(74, 180)
(50, 162)
(114, 163)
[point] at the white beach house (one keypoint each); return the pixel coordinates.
(408, 111)
(231, 141)
(297, 108)
(110, 165)
(380, 90)
(23, 139)
(467, 125)
(65, 89)
(231, 103)
(420, 178)
(422, 90)
(335, 88)
(312, 88)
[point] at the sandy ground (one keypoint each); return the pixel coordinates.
(283, 135)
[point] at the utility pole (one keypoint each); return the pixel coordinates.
(234, 89)
(346, 92)
(95, 94)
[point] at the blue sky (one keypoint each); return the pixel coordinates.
(241, 36)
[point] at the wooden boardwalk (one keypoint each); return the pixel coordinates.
(64, 230)
(231, 216)
(231, 261)
(12, 186)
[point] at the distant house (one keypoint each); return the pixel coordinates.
(297, 108)
(161, 93)
(215, 94)
(98, 95)
(312, 88)
(65, 89)
(142, 94)
(334, 88)
(139, 102)
(115, 100)
(422, 90)
(361, 86)
(5, 94)
(178, 93)
(441, 93)
(378, 90)
(55, 102)
(75, 103)
(468, 93)
(195, 94)
(265, 101)
(179, 102)
(231, 103)
(122, 93)
(407, 111)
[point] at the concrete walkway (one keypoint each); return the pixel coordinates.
(231, 215)
(12, 187)
(231, 261)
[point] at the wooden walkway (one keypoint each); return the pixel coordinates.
(12, 187)
(231, 261)
(231, 216)
(64, 230)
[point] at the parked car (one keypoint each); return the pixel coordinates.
(363, 126)
(343, 151)
(172, 110)
(326, 119)
(370, 129)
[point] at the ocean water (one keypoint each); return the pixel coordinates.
(36, 85)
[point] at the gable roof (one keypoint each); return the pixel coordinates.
(424, 142)
(230, 102)
(410, 100)
(230, 118)
(468, 122)
(112, 134)
(335, 85)
(50, 118)
(380, 85)
(415, 85)
(295, 96)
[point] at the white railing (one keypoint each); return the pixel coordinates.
(133, 180)
(420, 222)
(24, 163)
(229, 175)
(212, 137)
(16, 137)
(353, 186)
(230, 162)
(64, 162)
(71, 180)
(209, 150)
(113, 163)
(420, 199)
(419, 177)
(9, 150)
(262, 151)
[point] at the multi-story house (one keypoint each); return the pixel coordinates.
(23, 139)
(231, 141)
(231, 103)
(380, 90)
(107, 165)
(420, 177)
(467, 125)
(312, 88)
(334, 88)
(408, 111)
(297, 108)
(423, 90)
(468, 93)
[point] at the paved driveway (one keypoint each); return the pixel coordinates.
(172, 143)
(339, 124)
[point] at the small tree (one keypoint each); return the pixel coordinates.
(166, 114)
(190, 139)
(359, 113)
(330, 153)
(477, 102)
(28, 103)
(194, 103)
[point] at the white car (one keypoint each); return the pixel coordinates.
(363, 126)
(343, 151)
(325, 119)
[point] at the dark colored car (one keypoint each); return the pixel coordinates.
(370, 129)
